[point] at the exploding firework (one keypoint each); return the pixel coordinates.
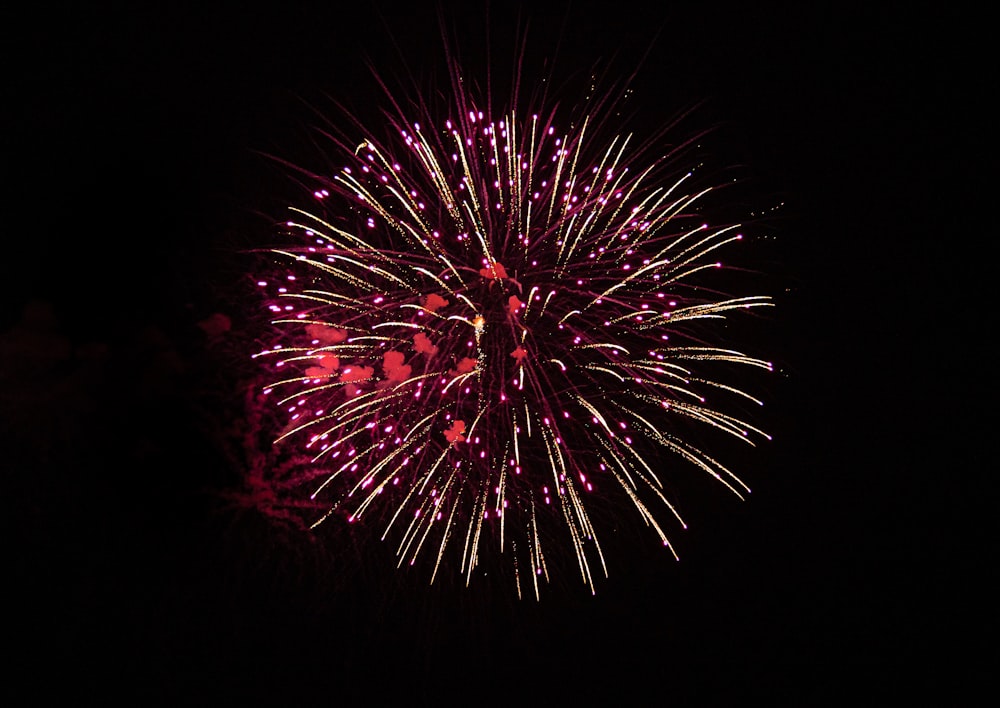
(490, 326)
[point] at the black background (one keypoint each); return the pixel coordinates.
(137, 179)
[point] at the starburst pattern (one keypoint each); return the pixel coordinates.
(487, 326)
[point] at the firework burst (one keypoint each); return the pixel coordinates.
(489, 325)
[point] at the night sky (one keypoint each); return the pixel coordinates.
(138, 182)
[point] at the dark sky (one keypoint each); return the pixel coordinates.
(136, 137)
